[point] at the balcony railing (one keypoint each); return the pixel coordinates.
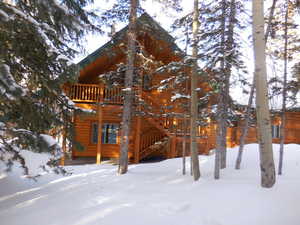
(94, 93)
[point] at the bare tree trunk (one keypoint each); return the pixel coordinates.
(194, 100)
(191, 167)
(283, 119)
(262, 109)
(185, 122)
(245, 127)
(184, 145)
(221, 108)
(128, 92)
(250, 100)
(228, 65)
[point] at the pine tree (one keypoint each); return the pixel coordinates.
(194, 102)
(221, 53)
(185, 119)
(222, 98)
(35, 61)
(128, 95)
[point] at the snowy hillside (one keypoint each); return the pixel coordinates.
(156, 193)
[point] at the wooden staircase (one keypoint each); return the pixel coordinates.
(151, 141)
(157, 137)
(155, 115)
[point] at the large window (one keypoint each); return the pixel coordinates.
(109, 133)
(275, 131)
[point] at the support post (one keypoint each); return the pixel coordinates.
(99, 142)
(100, 116)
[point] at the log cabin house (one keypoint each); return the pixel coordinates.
(292, 128)
(158, 131)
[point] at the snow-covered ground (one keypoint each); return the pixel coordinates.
(155, 193)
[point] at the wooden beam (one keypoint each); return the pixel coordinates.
(100, 116)
(137, 140)
(99, 142)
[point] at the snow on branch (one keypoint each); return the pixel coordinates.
(178, 96)
(127, 89)
(42, 28)
(8, 85)
(30, 19)
(48, 140)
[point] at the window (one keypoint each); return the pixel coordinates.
(94, 133)
(275, 131)
(109, 133)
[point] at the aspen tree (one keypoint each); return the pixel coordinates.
(251, 96)
(262, 109)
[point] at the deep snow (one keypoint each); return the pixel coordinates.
(155, 193)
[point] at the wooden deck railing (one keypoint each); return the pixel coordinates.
(84, 92)
(94, 93)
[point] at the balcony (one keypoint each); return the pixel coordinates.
(91, 93)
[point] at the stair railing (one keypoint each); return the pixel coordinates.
(148, 140)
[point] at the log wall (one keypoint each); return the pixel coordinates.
(83, 132)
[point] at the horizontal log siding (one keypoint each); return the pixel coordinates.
(83, 133)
